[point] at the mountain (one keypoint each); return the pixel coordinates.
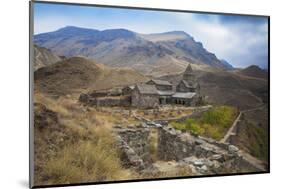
(254, 71)
(227, 64)
(78, 74)
(44, 57)
(151, 54)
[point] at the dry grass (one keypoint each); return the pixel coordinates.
(86, 161)
(153, 137)
(77, 146)
(168, 169)
(164, 113)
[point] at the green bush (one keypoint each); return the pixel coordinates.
(214, 123)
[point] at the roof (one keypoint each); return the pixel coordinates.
(188, 69)
(146, 89)
(189, 85)
(165, 93)
(160, 82)
(130, 87)
(184, 95)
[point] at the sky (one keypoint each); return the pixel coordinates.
(240, 40)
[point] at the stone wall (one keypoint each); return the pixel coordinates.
(137, 139)
(174, 145)
(171, 146)
(203, 155)
(182, 88)
(144, 100)
(134, 147)
(105, 101)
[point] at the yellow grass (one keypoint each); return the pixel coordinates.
(86, 161)
(80, 149)
(164, 114)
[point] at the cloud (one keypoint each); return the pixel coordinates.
(241, 40)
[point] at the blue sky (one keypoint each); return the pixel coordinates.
(241, 40)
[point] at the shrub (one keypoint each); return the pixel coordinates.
(214, 123)
(221, 116)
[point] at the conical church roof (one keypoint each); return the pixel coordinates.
(188, 69)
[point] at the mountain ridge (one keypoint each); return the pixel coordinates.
(44, 57)
(171, 50)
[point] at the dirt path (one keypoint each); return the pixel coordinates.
(232, 129)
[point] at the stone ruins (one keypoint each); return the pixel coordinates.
(202, 155)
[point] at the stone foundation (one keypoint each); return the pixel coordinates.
(205, 155)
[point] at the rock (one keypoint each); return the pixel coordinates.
(233, 149)
(144, 124)
(216, 165)
(204, 168)
(130, 151)
(158, 125)
(83, 98)
(189, 160)
(193, 169)
(198, 142)
(198, 163)
(217, 157)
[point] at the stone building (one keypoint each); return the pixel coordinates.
(189, 75)
(153, 93)
(159, 92)
(145, 96)
(185, 86)
(187, 99)
(128, 90)
(161, 84)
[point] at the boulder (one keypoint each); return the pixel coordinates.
(217, 157)
(233, 149)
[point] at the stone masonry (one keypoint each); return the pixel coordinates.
(205, 156)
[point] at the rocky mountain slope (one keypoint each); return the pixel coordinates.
(227, 64)
(254, 71)
(44, 57)
(154, 54)
(77, 74)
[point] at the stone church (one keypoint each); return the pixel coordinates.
(158, 92)
(151, 94)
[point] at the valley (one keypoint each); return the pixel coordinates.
(120, 105)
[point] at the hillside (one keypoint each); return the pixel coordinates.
(227, 64)
(44, 57)
(229, 88)
(147, 53)
(254, 71)
(77, 74)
